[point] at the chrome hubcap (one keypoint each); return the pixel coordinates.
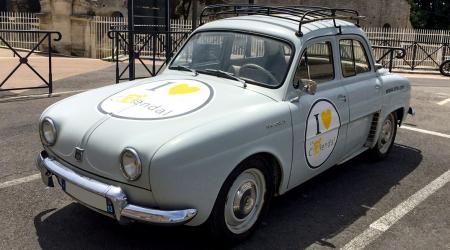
(387, 132)
(244, 201)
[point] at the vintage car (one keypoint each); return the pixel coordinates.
(250, 107)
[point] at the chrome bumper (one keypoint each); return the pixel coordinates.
(117, 205)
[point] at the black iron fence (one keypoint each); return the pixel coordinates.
(145, 51)
(24, 60)
(388, 55)
(418, 55)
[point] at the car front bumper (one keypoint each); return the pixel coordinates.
(91, 192)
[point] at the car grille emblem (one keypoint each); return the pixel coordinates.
(79, 153)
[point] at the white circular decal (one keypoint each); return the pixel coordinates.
(158, 100)
(322, 131)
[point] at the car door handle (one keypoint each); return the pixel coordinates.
(377, 86)
(342, 98)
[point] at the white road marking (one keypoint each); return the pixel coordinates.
(381, 225)
(444, 102)
(20, 181)
(425, 131)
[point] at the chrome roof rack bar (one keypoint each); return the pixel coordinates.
(298, 13)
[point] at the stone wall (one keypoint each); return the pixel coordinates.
(378, 13)
(70, 17)
(20, 5)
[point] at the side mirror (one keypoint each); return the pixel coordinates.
(307, 85)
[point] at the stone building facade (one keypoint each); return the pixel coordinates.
(70, 17)
(20, 5)
(378, 13)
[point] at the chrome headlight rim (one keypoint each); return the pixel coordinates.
(54, 131)
(136, 158)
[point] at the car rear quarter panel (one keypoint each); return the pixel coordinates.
(396, 94)
(189, 171)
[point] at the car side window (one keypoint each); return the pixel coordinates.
(316, 63)
(354, 58)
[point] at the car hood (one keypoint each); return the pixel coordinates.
(142, 114)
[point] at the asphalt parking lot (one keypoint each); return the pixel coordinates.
(401, 202)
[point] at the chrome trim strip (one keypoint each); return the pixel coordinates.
(122, 210)
(158, 216)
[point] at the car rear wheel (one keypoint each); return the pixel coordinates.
(445, 68)
(386, 138)
(242, 202)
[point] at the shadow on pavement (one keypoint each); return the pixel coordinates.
(311, 213)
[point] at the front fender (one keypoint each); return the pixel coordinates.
(189, 170)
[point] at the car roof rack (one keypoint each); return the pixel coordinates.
(299, 13)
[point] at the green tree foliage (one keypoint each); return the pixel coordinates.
(430, 14)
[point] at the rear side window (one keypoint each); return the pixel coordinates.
(354, 58)
(317, 63)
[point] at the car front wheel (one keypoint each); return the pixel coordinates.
(242, 201)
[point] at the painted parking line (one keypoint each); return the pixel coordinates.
(423, 131)
(381, 225)
(20, 181)
(444, 102)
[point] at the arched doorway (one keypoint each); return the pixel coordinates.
(116, 14)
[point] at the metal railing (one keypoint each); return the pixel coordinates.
(146, 44)
(425, 49)
(23, 60)
(387, 57)
(102, 44)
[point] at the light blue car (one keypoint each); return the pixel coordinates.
(249, 108)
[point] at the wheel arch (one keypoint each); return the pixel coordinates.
(275, 167)
(399, 115)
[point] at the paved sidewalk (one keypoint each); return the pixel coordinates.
(68, 73)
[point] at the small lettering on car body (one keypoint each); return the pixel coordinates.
(394, 89)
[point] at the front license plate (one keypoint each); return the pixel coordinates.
(84, 196)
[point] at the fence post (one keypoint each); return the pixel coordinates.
(414, 56)
(444, 51)
(50, 77)
(391, 59)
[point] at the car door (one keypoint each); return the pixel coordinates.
(319, 120)
(363, 89)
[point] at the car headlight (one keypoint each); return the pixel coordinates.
(130, 164)
(48, 131)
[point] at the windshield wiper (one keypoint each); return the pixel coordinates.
(184, 68)
(224, 74)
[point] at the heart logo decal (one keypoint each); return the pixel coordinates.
(182, 89)
(327, 116)
(131, 98)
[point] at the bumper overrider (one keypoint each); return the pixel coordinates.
(90, 192)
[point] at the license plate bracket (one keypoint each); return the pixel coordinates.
(84, 196)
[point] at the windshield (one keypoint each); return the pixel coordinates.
(254, 59)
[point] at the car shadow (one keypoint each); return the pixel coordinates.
(311, 213)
